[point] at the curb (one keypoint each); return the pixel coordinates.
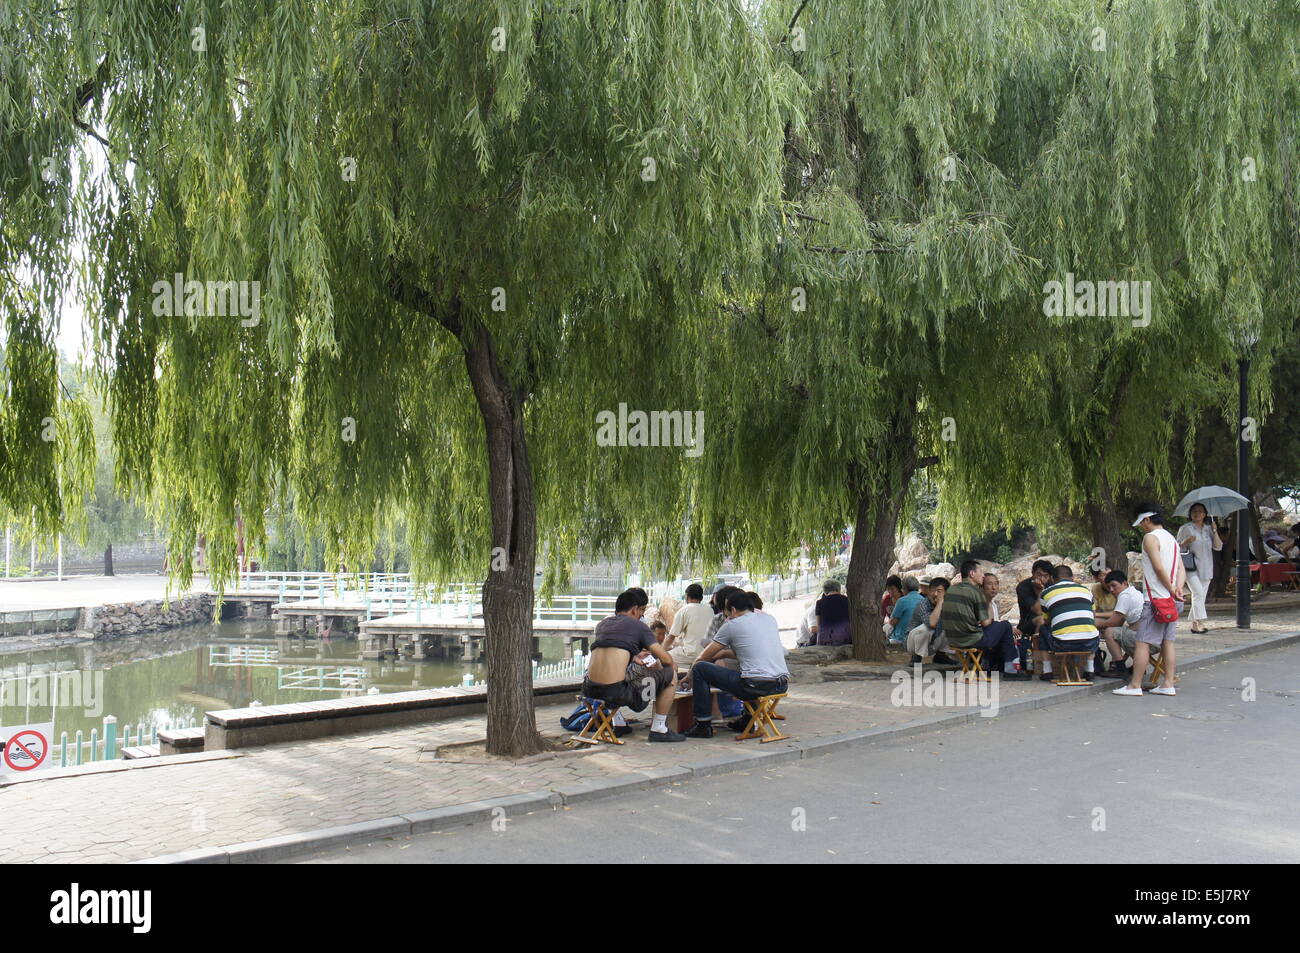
(419, 822)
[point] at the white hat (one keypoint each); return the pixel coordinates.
(1138, 521)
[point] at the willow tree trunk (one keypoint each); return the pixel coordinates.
(108, 560)
(508, 589)
(873, 538)
(1105, 527)
(1225, 558)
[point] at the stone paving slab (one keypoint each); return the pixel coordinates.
(277, 801)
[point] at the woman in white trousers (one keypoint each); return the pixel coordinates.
(1200, 537)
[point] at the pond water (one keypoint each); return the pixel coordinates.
(173, 677)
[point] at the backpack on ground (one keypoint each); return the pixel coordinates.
(576, 720)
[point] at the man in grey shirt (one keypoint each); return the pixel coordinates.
(754, 640)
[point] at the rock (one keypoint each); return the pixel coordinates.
(935, 570)
(818, 654)
(912, 554)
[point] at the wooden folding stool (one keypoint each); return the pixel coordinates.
(762, 715)
(971, 663)
(600, 723)
(1068, 671)
(1158, 673)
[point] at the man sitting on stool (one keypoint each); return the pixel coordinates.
(1070, 625)
(1119, 625)
(754, 640)
(629, 668)
(969, 625)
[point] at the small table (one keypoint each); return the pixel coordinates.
(1268, 574)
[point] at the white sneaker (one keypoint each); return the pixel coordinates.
(1161, 690)
(1127, 690)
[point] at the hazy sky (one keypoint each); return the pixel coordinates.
(71, 324)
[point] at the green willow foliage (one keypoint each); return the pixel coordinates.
(476, 169)
(1170, 157)
(898, 262)
(925, 290)
(915, 170)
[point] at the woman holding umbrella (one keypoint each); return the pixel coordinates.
(1200, 539)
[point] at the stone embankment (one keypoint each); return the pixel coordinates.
(135, 618)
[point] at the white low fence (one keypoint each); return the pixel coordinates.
(108, 746)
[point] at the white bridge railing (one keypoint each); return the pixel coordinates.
(575, 667)
(397, 593)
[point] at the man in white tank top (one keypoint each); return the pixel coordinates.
(1163, 575)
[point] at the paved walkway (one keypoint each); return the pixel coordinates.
(161, 809)
(1204, 777)
(78, 592)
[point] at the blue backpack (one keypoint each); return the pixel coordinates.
(575, 720)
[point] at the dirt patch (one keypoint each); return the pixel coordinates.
(475, 752)
(851, 670)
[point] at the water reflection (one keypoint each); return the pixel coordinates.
(169, 677)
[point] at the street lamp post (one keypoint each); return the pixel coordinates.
(1243, 487)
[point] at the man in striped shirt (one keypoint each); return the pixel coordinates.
(1070, 624)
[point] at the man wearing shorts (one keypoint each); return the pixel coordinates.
(629, 669)
(1164, 575)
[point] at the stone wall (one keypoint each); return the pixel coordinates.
(134, 618)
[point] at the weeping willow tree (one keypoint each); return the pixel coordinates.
(463, 220)
(1171, 163)
(848, 354)
(953, 159)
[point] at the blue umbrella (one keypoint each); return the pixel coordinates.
(1217, 500)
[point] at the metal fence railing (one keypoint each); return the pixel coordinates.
(38, 621)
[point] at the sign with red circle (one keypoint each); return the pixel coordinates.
(26, 750)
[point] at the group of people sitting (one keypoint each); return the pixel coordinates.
(1281, 547)
(729, 644)
(1057, 611)
(733, 646)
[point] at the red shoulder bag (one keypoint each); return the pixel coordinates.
(1165, 609)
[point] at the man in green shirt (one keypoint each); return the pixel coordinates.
(968, 624)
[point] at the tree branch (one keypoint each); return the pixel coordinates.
(790, 26)
(93, 86)
(85, 127)
(795, 18)
(419, 300)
